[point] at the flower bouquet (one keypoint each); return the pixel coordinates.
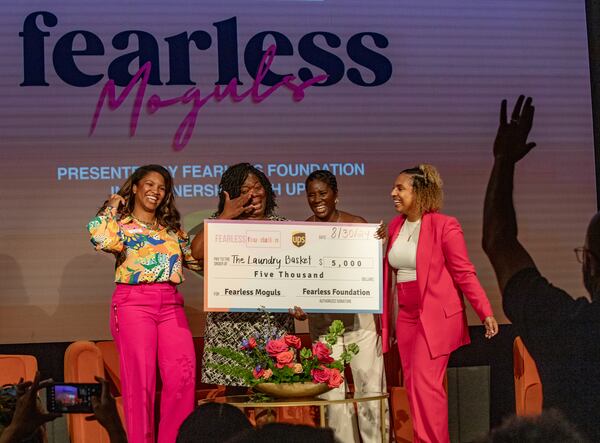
(264, 360)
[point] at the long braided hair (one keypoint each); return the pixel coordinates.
(166, 213)
(233, 179)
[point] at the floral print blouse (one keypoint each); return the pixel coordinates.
(144, 254)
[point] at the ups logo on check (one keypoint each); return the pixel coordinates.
(298, 239)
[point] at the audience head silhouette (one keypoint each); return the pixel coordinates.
(213, 422)
(591, 258)
(285, 432)
(549, 427)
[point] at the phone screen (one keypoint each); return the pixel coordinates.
(72, 397)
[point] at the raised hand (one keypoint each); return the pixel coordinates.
(234, 207)
(298, 313)
(511, 138)
(28, 417)
(115, 200)
(105, 412)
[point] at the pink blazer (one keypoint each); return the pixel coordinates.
(444, 274)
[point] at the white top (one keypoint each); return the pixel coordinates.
(403, 253)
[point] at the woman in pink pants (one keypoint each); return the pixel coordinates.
(426, 272)
(141, 227)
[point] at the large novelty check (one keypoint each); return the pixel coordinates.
(321, 267)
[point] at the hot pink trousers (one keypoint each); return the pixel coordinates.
(423, 375)
(149, 325)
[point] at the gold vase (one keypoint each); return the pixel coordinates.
(292, 390)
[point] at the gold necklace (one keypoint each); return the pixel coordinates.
(146, 224)
(417, 225)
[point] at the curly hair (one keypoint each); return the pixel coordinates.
(427, 186)
(166, 213)
(233, 179)
(324, 176)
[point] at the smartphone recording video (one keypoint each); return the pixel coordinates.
(71, 397)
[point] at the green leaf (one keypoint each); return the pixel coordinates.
(337, 327)
(338, 364)
(238, 357)
(353, 348)
(305, 353)
(235, 371)
(336, 330)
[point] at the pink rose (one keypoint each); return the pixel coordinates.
(335, 378)
(267, 374)
(284, 358)
(293, 341)
(275, 347)
(321, 374)
(322, 352)
(298, 368)
(258, 373)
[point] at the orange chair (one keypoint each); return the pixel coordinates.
(83, 361)
(110, 359)
(400, 412)
(528, 386)
(15, 367)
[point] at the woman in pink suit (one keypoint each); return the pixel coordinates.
(427, 263)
